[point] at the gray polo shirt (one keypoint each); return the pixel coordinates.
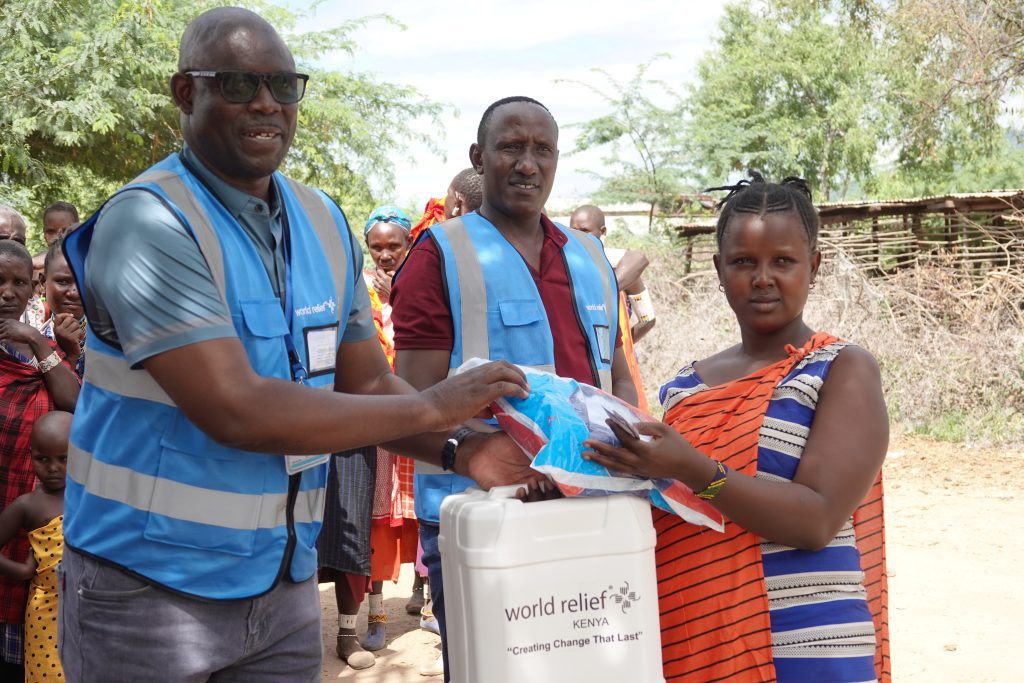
(149, 288)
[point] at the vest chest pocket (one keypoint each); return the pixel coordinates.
(519, 332)
(262, 329)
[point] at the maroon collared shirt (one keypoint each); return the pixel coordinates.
(423, 318)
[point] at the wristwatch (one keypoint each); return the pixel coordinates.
(450, 446)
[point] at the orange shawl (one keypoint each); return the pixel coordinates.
(433, 213)
(627, 349)
(714, 606)
(377, 309)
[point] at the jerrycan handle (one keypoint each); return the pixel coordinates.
(503, 492)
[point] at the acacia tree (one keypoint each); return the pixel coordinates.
(641, 136)
(951, 65)
(789, 89)
(872, 96)
(87, 103)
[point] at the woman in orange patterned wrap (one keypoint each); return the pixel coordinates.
(785, 433)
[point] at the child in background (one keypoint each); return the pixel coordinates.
(41, 514)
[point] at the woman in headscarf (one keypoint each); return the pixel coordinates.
(395, 535)
(34, 379)
(369, 525)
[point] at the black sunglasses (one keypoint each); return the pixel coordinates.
(240, 87)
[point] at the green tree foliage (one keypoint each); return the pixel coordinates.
(87, 103)
(642, 138)
(861, 97)
(790, 89)
(871, 95)
(952, 64)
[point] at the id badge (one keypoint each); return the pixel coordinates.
(296, 463)
(321, 348)
(601, 332)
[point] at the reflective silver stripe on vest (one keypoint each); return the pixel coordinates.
(473, 308)
(206, 236)
(243, 511)
(611, 298)
(115, 375)
(181, 196)
(330, 239)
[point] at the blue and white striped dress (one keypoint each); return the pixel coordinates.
(821, 626)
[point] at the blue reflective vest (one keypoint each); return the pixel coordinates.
(150, 492)
(497, 313)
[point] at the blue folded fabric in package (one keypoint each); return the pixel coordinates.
(552, 423)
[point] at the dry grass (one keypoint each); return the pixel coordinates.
(951, 347)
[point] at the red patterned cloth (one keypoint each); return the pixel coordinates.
(716, 622)
(394, 532)
(405, 503)
(392, 495)
(383, 489)
(23, 400)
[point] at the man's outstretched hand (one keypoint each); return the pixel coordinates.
(495, 460)
(467, 394)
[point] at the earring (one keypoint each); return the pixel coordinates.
(721, 287)
(812, 284)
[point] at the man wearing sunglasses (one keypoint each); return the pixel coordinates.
(224, 302)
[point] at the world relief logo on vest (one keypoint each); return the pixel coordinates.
(322, 307)
(578, 620)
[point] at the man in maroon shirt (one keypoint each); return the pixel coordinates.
(516, 153)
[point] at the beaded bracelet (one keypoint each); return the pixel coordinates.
(716, 484)
(49, 363)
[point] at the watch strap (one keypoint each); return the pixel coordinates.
(451, 446)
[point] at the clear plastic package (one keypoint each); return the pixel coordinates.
(551, 424)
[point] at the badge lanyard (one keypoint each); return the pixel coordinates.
(294, 463)
(299, 374)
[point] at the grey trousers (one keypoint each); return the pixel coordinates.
(114, 627)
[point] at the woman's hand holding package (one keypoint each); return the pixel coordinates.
(666, 455)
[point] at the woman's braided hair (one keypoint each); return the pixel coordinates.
(759, 197)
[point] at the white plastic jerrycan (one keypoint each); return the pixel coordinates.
(561, 590)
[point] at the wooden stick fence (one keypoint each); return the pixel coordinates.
(973, 233)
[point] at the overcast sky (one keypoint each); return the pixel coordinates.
(469, 54)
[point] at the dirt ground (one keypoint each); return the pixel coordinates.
(954, 532)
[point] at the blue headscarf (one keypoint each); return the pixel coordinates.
(387, 214)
